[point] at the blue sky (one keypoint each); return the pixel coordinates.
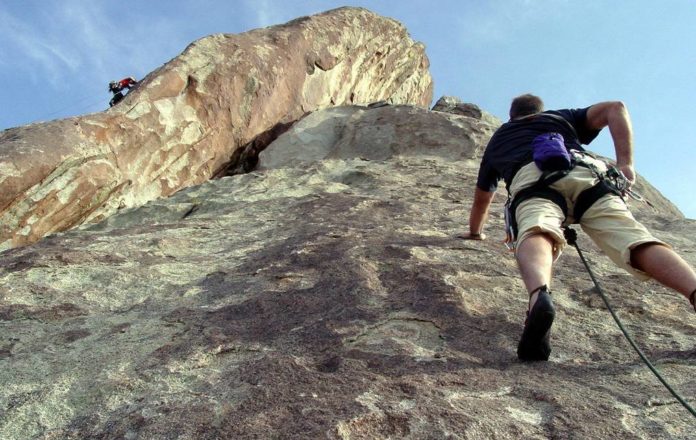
(56, 58)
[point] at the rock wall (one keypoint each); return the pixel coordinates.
(184, 122)
(326, 295)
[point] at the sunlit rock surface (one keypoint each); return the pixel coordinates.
(186, 121)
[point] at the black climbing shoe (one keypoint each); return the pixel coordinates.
(691, 298)
(534, 344)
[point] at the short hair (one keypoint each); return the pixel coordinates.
(524, 105)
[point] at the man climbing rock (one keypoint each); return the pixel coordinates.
(117, 87)
(553, 182)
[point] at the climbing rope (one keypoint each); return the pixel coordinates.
(74, 106)
(572, 236)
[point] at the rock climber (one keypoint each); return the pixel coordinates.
(117, 87)
(572, 189)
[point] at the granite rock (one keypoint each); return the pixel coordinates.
(186, 121)
(326, 295)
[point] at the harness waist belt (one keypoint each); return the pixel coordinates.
(541, 189)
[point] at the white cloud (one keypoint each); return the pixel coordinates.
(77, 38)
(56, 42)
(269, 12)
(264, 13)
(21, 42)
(91, 29)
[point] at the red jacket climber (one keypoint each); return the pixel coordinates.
(125, 83)
(116, 87)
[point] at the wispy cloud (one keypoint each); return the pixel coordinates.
(271, 12)
(27, 47)
(92, 27)
(85, 39)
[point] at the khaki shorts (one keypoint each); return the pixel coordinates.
(608, 221)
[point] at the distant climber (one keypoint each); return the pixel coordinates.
(117, 87)
(553, 182)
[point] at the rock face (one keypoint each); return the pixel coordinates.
(376, 134)
(325, 295)
(185, 122)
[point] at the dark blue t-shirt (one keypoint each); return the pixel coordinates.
(510, 148)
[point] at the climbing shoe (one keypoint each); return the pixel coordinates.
(534, 344)
(691, 298)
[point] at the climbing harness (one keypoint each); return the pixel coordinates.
(611, 181)
(571, 236)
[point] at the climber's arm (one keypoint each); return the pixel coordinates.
(479, 213)
(614, 114)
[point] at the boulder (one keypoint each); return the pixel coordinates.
(454, 105)
(185, 122)
(377, 133)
